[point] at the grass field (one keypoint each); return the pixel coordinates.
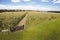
(10, 19)
(39, 26)
(43, 26)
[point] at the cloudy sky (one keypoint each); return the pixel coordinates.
(44, 5)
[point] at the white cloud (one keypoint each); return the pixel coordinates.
(28, 7)
(56, 1)
(27, 0)
(33, 2)
(45, 0)
(15, 0)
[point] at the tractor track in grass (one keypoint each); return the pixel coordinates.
(23, 21)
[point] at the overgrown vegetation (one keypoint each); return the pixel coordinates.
(39, 26)
(10, 19)
(43, 26)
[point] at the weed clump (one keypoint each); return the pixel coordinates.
(52, 17)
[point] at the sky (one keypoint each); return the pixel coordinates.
(43, 5)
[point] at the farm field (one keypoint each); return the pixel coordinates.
(10, 19)
(39, 26)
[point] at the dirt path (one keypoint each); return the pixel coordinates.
(22, 22)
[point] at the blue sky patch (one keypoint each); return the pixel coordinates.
(45, 5)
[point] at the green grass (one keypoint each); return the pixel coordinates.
(10, 19)
(39, 26)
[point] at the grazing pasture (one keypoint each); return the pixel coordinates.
(39, 26)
